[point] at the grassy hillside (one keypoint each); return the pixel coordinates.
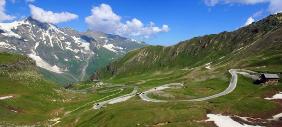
(34, 101)
(247, 101)
(31, 94)
(241, 48)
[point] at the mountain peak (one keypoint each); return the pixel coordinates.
(31, 20)
(38, 23)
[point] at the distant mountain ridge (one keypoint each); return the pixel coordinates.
(63, 54)
(258, 44)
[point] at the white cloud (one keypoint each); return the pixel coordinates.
(275, 6)
(249, 21)
(3, 15)
(136, 28)
(49, 16)
(253, 18)
(105, 20)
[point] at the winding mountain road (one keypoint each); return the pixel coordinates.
(229, 89)
(122, 98)
(144, 95)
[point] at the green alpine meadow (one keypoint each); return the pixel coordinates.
(63, 67)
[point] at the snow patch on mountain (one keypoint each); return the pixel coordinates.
(77, 57)
(112, 48)
(43, 64)
(73, 50)
(82, 44)
(68, 47)
(36, 45)
(76, 39)
(54, 28)
(8, 27)
(85, 45)
(11, 34)
(7, 46)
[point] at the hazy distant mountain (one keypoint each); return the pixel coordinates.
(63, 54)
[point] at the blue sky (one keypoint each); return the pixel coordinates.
(185, 18)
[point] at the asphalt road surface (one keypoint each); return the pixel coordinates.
(229, 89)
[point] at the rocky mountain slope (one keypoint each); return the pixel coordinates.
(63, 54)
(257, 45)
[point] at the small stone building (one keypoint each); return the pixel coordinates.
(269, 79)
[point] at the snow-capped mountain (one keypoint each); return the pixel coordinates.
(63, 51)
